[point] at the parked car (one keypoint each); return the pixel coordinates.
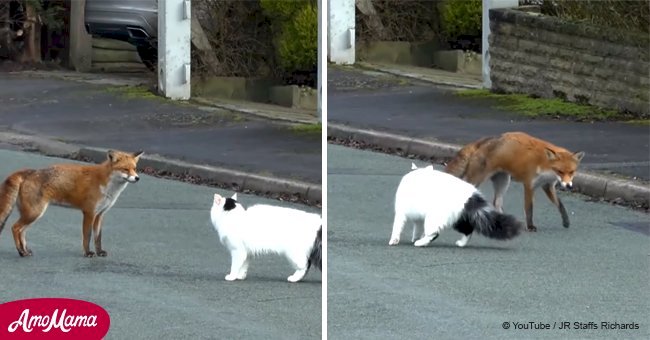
(134, 21)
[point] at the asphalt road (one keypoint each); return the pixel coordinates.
(432, 112)
(164, 275)
(101, 116)
(596, 271)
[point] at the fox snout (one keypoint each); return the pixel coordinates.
(566, 185)
(129, 178)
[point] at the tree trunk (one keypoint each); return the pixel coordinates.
(372, 19)
(203, 48)
(8, 46)
(32, 27)
(5, 32)
(81, 45)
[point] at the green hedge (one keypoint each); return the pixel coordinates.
(295, 27)
(461, 17)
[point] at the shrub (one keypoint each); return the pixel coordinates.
(279, 10)
(298, 42)
(461, 18)
(295, 27)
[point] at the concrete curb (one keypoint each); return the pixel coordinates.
(409, 145)
(253, 112)
(45, 146)
(239, 180)
(419, 77)
(590, 184)
(611, 189)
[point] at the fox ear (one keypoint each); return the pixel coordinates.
(137, 155)
(578, 155)
(413, 166)
(234, 196)
(111, 155)
(550, 154)
(217, 199)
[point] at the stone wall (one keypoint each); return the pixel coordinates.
(548, 57)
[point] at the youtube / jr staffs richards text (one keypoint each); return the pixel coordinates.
(570, 325)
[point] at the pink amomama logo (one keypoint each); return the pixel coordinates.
(53, 318)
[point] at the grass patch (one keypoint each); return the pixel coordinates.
(307, 129)
(540, 107)
(133, 92)
(643, 122)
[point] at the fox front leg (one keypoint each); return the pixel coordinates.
(86, 231)
(528, 205)
(97, 233)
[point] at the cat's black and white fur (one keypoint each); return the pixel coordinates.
(433, 200)
(263, 229)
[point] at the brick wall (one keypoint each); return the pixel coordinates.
(548, 57)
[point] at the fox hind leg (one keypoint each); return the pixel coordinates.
(500, 182)
(28, 215)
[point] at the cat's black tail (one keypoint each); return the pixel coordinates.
(480, 216)
(315, 257)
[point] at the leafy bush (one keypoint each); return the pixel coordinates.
(280, 10)
(461, 18)
(298, 42)
(295, 27)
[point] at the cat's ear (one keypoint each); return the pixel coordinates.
(217, 199)
(234, 196)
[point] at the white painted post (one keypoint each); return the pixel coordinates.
(341, 26)
(174, 39)
(319, 66)
(487, 5)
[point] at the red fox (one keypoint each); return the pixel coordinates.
(92, 189)
(529, 160)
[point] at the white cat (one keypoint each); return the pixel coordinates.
(433, 200)
(263, 229)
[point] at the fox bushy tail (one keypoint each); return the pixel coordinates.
(8, 194)
(489, 222)
(315, 257)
